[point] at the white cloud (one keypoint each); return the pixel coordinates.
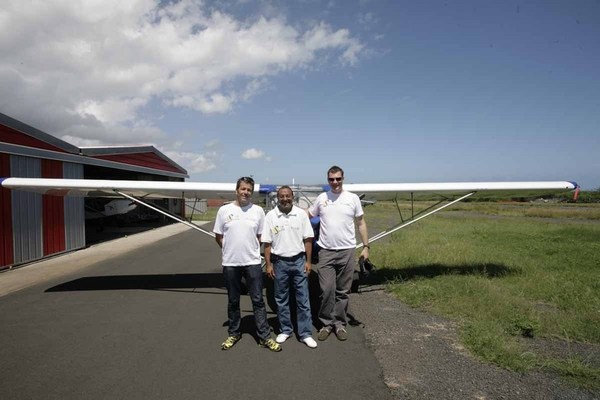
(252, 154)
(367, 19)
(322, 37)
(86, 69)
(213, 144)
(112, 110)
(194, 162)
(79, 142)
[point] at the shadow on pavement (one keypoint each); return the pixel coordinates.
(148, 282)
(248, 326)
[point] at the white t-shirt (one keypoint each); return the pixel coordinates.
(286, 232)
(337, 212)
(240, 227)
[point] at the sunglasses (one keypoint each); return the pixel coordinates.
(335, 179)
(247, 179)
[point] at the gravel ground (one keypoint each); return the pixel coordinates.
(421, 358)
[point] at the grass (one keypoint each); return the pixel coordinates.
(575, 211)
(209, 215)
(506, 281)
(536, 209)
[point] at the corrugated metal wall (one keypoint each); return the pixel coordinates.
(26, 212)
(6, 240)
(74, 211)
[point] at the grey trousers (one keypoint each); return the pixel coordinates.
(336, 270)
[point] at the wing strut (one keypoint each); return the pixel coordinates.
(403, 225)
(178, 219)
(412, 207)
(194, 209)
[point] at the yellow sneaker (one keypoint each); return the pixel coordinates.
(270, 344)
(229, 342)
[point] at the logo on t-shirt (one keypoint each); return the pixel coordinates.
(231, 217)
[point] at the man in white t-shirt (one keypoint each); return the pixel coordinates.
(287, 236)
(338, 210)
(238, 227)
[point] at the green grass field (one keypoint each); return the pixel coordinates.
(518, 279)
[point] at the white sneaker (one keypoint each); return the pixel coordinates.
(310, 342)
(282, 337)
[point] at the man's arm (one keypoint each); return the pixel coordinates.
(219, 239)
(308, 250)
(269, 266)
(364, 235)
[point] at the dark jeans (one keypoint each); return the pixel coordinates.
(254, 281)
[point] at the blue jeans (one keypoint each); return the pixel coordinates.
(289, 273)
(254, 281)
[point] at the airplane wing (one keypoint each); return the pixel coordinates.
(450, 192)
(138, 191)
(459, 187)
(202, 190)
(115, 188)
(388, 191)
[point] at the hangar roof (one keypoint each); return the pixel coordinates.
(19, 138)
(146, 156)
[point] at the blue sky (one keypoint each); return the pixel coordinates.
(392, 91)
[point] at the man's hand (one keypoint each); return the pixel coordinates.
(365, 253)
(270, 271)
(307, 268)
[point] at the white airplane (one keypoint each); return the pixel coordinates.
(138, 191)
(113, 207)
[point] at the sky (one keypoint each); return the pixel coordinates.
(390, 90)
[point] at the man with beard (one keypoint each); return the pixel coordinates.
(238, 227)
(287, 235)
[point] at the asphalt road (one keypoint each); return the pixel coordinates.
(144, 318)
